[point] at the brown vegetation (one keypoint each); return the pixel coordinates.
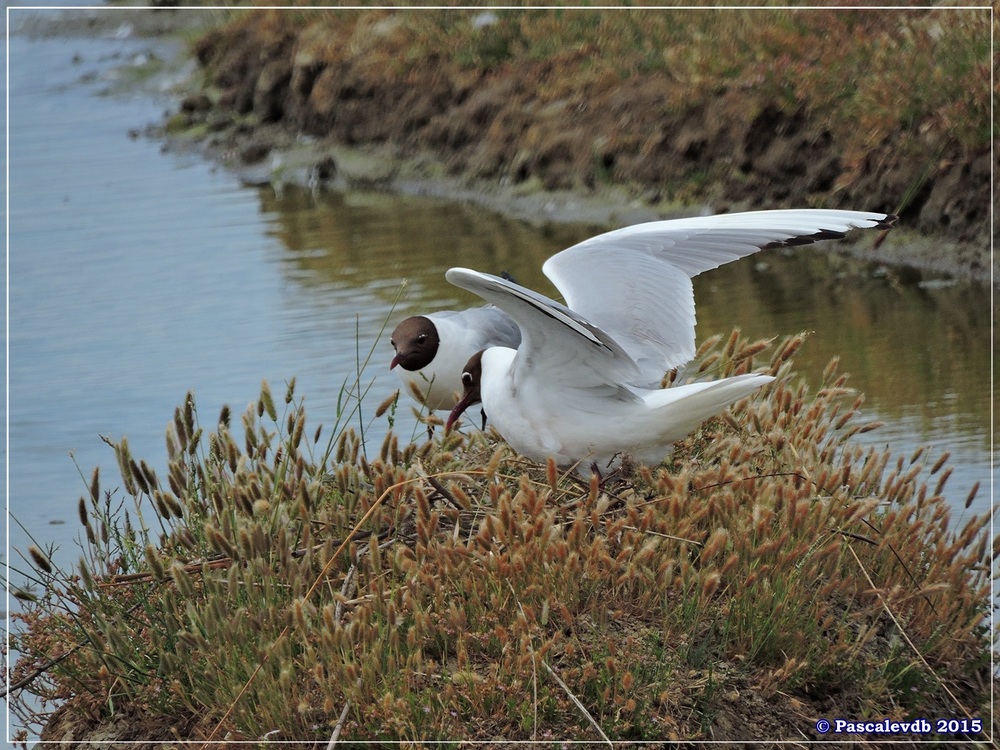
(770, 574)
(881, 109)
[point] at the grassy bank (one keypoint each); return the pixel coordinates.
(877, 109)
(285, 582)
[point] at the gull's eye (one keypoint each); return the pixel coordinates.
(467, 378)
(421, 338)
(393, 342)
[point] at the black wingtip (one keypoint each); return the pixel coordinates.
(806, 239)
(888, 222)
(885, 223)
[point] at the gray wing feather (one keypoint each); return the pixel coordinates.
(556, 342)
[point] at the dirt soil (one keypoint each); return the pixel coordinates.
(602, 154)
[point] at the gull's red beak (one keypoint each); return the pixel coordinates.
(395, 361)
(471, 377)
(470, 397)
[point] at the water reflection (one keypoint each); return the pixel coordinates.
(377, 239)
(912, 350)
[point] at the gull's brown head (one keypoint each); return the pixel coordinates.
(416, 342)
(472, 375)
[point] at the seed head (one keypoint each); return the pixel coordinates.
(41, 561)
(384, 406)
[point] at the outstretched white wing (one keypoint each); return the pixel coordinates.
(635, 283)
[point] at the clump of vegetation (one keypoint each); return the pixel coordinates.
(291, 586)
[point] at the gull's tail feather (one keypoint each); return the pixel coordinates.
(687, 406)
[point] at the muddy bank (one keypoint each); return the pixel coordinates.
(337, 103)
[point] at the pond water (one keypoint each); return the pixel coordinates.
(137, 275)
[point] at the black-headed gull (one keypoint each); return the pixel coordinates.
(583, 387)
(432, 349)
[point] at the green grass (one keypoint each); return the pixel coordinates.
(436, 589)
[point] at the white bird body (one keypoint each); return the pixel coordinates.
(585, 427)
(460, 334)
(582, 385)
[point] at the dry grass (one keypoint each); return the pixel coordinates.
(292, 587)
(918, 75)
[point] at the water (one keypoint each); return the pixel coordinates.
(137, 275)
